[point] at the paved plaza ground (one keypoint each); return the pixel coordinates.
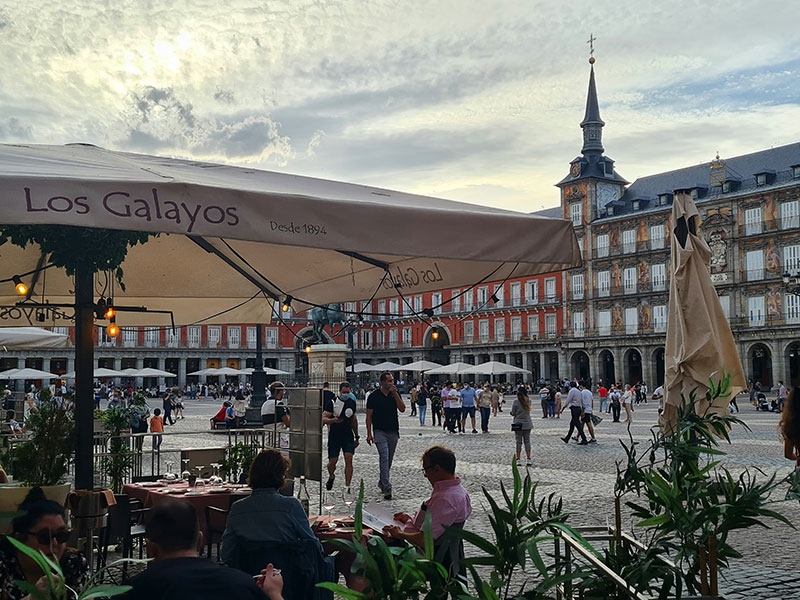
(583, 475)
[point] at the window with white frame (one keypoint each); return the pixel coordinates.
(271, 337)
(394, 307)
(193, 336)
(436, 303)
(406, 337)
(467, 299)
(500, 330)
(753, 224)
(533, 327)
(792, 314)
(381, 310)
(482, 297)
(469, 332)
(602, 245)
(603, 283)
(516, 293)
(366, 339)
(214, 336)
(550, 290)
(656, 237)
(578, 324)
(516, 328)
(61, 330)
(380, 338)
(455, 301)
(532, 292)
(577, 286)
(173, 336)
(604, 322)
(408, 308)
(130, 336)
(580, 245)
(103, 339)
(791, 259)
(550, 326)
(631, 320)
(576, 213)
(418, 304)
(483, 330)
(790, 214)
(658, 277)
(660, 318)
(725, 304)
(629, 280)
(754, 265)
(629, 241)
(366, 310)
(250, 336)
(350, 310)
(755, 311)
(499, 293)
(234, 336)
(152, 337)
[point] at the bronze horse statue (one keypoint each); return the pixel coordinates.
(322, 316)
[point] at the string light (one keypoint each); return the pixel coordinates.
(112, 330)
(287, 304)
(435, 334)
(21, 288)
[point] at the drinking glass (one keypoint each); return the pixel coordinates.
(200, 485)
(328, 503)
(185, 462)
(349, 498)
(200, 470)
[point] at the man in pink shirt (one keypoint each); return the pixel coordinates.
(449, 505)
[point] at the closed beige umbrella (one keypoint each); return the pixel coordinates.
(700, 345)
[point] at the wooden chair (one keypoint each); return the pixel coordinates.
(125, 523)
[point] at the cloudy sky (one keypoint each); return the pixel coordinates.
(464, 99)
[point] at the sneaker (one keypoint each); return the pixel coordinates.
(387, 495)
(528, 463)
(519, 462)
(329, 483)
(583, 443)
(460, 433)
(565, 440)
(592, 441)
(474, 431)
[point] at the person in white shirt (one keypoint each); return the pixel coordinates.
(587, 400)
(454, 396)
(574, 403)
(627, 402)
(658, 396)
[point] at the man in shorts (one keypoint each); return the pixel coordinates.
(339, 414)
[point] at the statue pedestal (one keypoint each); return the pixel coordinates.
(327, 362)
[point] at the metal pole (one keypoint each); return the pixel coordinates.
(84, 373)
(259, 377)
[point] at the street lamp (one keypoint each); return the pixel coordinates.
(792, 283)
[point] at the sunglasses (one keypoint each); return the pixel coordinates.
(46, 536)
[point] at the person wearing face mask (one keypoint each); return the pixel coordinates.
(339, 414)
(40, 524)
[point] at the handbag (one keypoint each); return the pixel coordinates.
(516, 427)
(596, 420)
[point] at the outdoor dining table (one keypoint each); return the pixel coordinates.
(152, 493)
(340, 527)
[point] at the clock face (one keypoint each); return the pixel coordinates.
(575, 169)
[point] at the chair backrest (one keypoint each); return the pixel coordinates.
(450, 550)
(119, 518)
(301, 564)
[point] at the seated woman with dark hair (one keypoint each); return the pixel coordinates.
(272, 527)
(40, 524)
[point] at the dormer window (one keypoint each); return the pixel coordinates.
(795, 171)
(726, 187)
(764, 177)
(635, 205)
(609, 167)
(664, 199)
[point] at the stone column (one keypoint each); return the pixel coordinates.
(326, 362)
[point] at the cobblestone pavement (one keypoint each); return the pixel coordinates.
(583, 475)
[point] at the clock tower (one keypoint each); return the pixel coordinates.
(592, 180)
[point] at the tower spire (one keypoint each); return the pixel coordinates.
(592, 124)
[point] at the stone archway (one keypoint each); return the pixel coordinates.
(632, 370)
(579, 366)
(760, 359)
(658, 368)
(435, 342)
(793, 364)
(606, 368)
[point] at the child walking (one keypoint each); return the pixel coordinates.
(157, 426)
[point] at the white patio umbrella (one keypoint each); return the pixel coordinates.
(150, 372)
(451, 369)
(99, 372)
(208, 371)
(267, 371)
(236, 240)
(360, 368)
(14, 338)
(420, 365)
(386, 366)
(225, 371)
(493, 367)
(129, 372)
(28, 374)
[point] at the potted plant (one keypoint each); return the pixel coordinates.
(119, 461)
(238, 458)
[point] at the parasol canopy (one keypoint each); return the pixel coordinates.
(453, 368)
(700, 345)
(420, 365)
(14, 338)
(28, 374)
(493, 367)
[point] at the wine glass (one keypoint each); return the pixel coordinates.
(200, 470)
(349, 498)
(185, 462)
(328, 503)
(200, 485)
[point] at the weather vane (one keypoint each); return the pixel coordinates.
(591, 41)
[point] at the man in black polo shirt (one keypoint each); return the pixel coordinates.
(383, 426)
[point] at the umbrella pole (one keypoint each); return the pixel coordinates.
(84, 359)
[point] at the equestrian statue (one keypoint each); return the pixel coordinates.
(327, 315)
